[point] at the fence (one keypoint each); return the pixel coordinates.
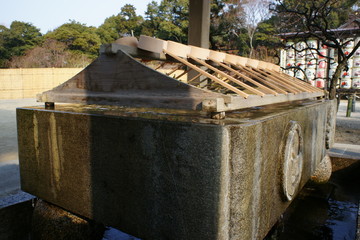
(27, 82)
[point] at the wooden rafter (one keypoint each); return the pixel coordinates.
(265, 80)
(232, 79)
(244, 77)
(201, 71)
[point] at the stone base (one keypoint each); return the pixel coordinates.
(176, 174)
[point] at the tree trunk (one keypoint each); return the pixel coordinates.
(251, 36)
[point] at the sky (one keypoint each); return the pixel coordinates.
(48, 15)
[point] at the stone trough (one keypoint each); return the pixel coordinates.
(159, 157)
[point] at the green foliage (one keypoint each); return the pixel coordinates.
(266, 34)
(78, 37)
(125, 23)
(168, 21)
(243, 43)
(17, 39)
(226, 24)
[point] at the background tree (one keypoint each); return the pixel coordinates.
(4, 54)
(227, 17)
(315, 20)
(267, 42)
(168, 20)
(51, 53)
(126, 23)
(78, 38)
(151, 25)
(255, 11)
(234, 28)
(17, 39)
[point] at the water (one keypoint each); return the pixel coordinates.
(320, 212)
(342, 216)
(114, 234)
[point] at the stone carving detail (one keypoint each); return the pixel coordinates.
(292, 165)
(330, 124)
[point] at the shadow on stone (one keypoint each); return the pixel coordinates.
(50, 222)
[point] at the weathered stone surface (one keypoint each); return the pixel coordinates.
(331, 123)
(323, 171)
(168, 175)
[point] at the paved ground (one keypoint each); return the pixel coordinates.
(347, 137)
(8, 142)
(9, 164)
(348, 128)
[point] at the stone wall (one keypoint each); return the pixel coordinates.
(27, 82)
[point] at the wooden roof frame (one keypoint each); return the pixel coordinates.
(117, 78)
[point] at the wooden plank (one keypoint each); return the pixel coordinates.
(132, 98)
(254, 100)
(251, 89)
(215, 79)
(244, 77)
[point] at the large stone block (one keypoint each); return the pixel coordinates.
(172, 175)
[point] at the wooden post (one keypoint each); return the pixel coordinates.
(349, 106)
(199, 28)
(199, 23)
(353, 103)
